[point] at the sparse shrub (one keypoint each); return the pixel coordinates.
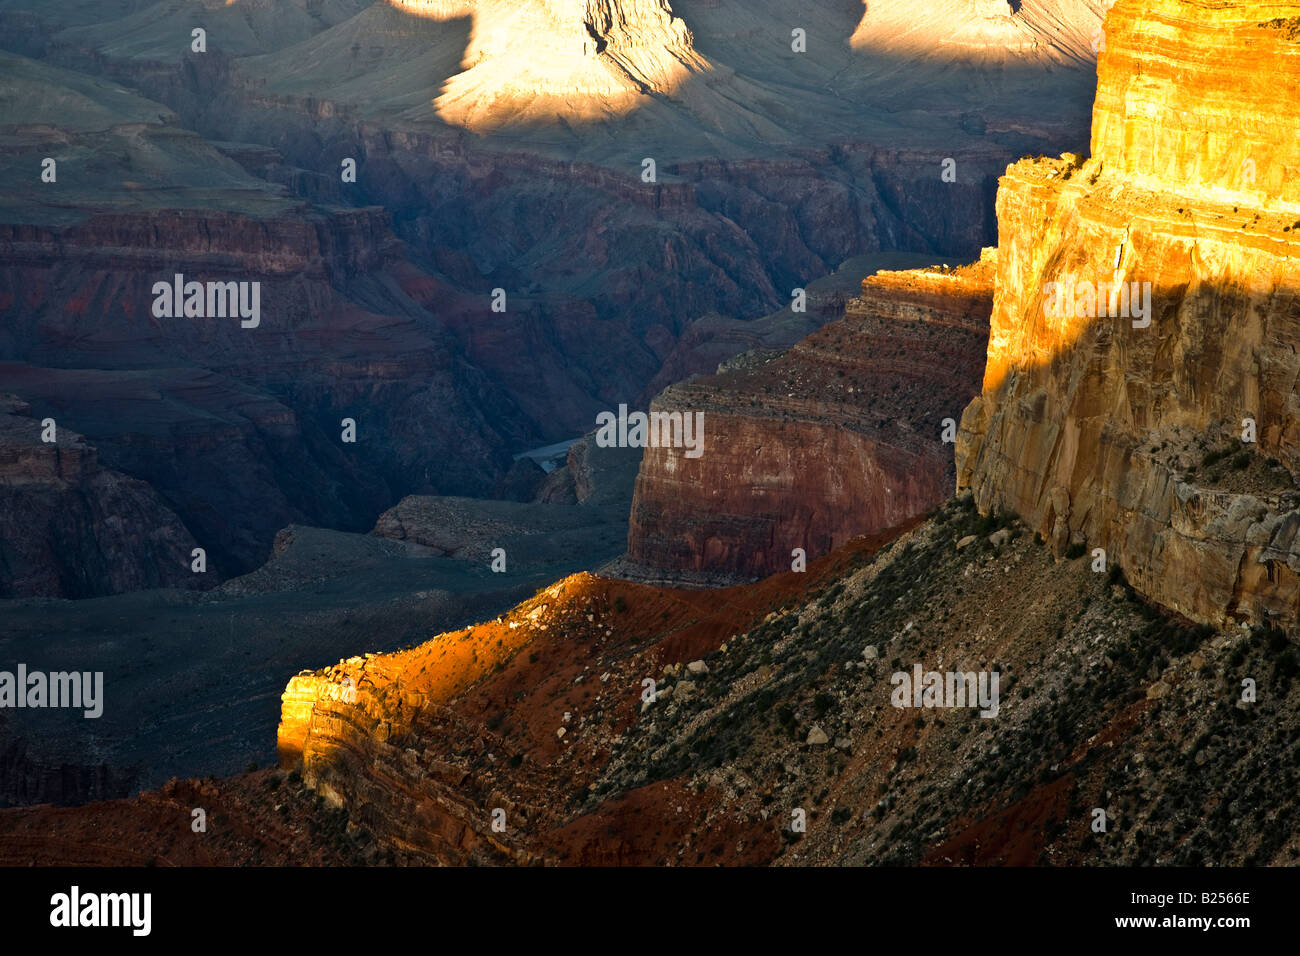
(1275, 640)
(1285, 668)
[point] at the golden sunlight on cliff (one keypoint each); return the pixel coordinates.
(986, 32)
(432, 673)
(578, 60)
(1102, 423)
(1191, 186)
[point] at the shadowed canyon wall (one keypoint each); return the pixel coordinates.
(504, 142)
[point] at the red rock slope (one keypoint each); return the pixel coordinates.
(840, 436)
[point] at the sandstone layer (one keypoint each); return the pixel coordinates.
(1107, 432)
(840, 436)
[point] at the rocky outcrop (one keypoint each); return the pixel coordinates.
(601, 476)
(842, 435)
(70, 527)
(987, 31)
(579, 514)
(361, 753)
(368, 735)
(1170, 440)
(544, 58)
(519, 714)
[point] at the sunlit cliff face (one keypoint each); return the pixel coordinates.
(579, 60)
(1191, 184)
(590, 60)
(1097, 427)
(982, 31)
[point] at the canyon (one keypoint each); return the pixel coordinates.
(1088, 431)
(376, 307)
(193, 676)
(697, 700)
(473, 128)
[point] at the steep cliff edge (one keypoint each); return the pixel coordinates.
(840, 436)
(71, 526)
(521, 713)
(1105, 702)
(1172, 445)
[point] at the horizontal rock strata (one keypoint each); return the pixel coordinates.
(840, 436)
(1103, 431)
